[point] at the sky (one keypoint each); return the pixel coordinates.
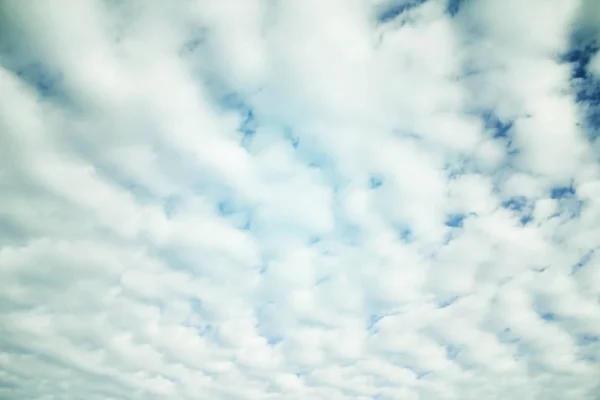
(299, 199)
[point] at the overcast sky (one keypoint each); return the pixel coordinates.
(299, 199)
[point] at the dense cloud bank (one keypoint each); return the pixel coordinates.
(299, 199)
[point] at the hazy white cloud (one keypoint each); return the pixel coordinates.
(253, 199)
(595, 65)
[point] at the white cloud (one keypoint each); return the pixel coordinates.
(259, 199)
(595, 65)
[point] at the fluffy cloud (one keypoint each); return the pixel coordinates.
(251, 199)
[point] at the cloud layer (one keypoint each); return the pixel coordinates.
(300, 199)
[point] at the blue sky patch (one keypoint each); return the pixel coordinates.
(453, 7)
(170, 205)
(391, 11)
(561, 192)
(226, 208)
(293, 139)
(448, 302)
(455, 220)
(499, 128)
(508, 336)
(421, 374)
(516, 203)
(582, 262)
(543, 310)
(314, 240)
(248, 129)
(274, 340)
(372, 322)
(452, 351)
(580, 56)
(548, 316)
(39, 77)
(522, 207)
(569, 204)
(587, 86)
(589, 339)
(375, 182)
(405, 234)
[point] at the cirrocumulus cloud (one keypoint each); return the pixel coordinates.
(299, 199)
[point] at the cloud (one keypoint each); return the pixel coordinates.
(301, 199)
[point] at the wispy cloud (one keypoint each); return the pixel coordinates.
(345, 199)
